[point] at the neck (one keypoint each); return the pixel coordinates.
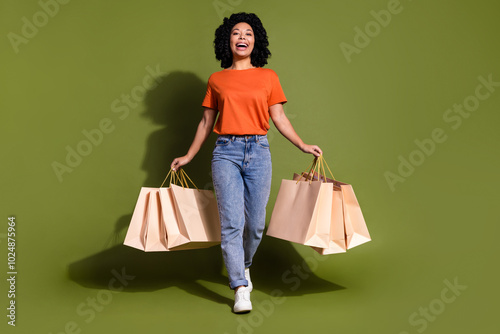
(241, 64)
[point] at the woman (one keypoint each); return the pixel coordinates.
(244, 95)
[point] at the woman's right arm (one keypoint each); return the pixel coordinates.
(204, 129)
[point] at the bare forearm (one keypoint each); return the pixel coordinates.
(284, 126)
(286, 129)
(202, 133)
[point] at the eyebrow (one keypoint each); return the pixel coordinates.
(239, 29)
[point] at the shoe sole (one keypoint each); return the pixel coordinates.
(242, 311)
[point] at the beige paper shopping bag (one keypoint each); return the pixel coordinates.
(355, 225)
(174, 218)
(137, 230)
(302, 213)
(337, 229)
(173, 229)
(336, 241)
(191, 216)
(197, 218)
(156, 234)
(356, 231)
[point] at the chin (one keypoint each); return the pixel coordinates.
(241, 55)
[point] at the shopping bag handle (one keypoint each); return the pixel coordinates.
(313, 167)
(322, 166)
(179, 177)
(318, 166)
(184, 176)
(171, 176)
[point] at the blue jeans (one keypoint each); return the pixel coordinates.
(241, 172)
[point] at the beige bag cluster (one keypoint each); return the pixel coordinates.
(174, 218)
(319, 212)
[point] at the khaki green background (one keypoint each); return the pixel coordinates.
(440, 224)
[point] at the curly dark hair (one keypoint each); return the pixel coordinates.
(223, 52)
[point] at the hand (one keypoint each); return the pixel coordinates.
(179, 162)
(313, 149)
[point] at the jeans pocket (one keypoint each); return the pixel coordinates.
(263, 142)
(222, 141)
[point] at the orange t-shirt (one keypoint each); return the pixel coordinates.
(243, 98)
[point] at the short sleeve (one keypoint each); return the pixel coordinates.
(277, 95)
(210, 100)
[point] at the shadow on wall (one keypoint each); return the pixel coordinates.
(175, 105)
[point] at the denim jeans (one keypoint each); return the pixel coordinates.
(241, 172)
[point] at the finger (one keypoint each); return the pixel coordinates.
(174, 164)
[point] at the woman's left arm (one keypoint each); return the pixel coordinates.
(284, 126)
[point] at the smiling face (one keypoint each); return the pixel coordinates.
(242, 40)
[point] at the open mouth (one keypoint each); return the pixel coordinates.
(241, 46)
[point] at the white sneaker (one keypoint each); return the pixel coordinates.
(247, 277)
(242, 301)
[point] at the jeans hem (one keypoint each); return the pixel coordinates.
(233, 285)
